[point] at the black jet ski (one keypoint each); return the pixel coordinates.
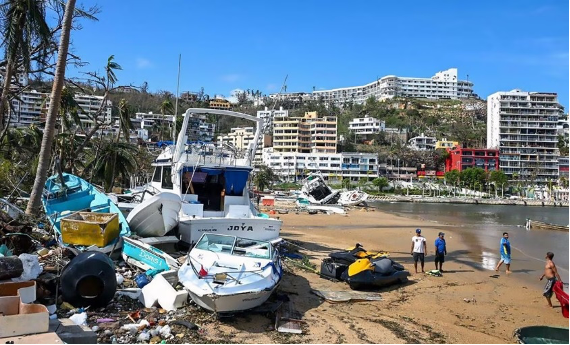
(350, 255)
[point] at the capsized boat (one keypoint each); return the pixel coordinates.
(352, 198)
(542, 335)
(316, 191)
(63, 198)
(226, 273)
(155, 216)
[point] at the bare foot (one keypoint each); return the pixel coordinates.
(509, 272)
(496, 269)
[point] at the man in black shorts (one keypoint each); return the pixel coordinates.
(418, 249)
(440, 251)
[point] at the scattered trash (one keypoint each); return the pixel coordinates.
(469, 300)
(31, 265)
(51, 308)
(105, 320)
(4, 251)
(79, 319)
(141, 280)
(133, 293)
(120, 278)
(347, 296)
(95, 328)
(187, 324)
(144, 336)
(10, 267)
(161, 291)
(165, 331)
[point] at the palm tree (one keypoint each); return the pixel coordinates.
(23, 23)
(49, 130)
(125, 124)
(380, 182)
(110, 69)
(112, 158)
(165, 107)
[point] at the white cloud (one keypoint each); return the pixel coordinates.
(231, 78)
(233, 95)
(143, 63)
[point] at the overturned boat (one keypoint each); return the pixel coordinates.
(316, 191)
(156, 216)
(226, 273)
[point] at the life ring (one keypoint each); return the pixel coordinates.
(354, 196)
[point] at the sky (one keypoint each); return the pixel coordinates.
(228, 45)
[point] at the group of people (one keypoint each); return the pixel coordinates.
(419, 251)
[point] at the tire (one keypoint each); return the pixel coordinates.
(89, 280)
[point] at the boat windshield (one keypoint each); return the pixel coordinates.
(235, 246)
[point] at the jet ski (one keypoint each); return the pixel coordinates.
(367, 274)
(350, 255)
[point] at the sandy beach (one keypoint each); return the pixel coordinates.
(426, 310)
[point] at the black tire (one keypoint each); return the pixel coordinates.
(89, 280)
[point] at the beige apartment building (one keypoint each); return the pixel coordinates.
(307, 134)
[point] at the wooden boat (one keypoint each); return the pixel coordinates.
(533, 224)
(64, 198)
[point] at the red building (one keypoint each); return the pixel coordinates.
(463, 158)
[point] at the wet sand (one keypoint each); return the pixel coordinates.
(426, 310)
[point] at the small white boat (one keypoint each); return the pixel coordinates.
(328, 209)
(155, 216)
(352, 198)
(226, 273)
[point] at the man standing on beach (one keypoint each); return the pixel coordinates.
(419, 249)
(440, 251)
(551, 274)
(505, 253)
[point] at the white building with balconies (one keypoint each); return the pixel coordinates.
(523, 126)
(295, 166)
(366, 125)
(443, 85)
(422, 143)
(28, 108)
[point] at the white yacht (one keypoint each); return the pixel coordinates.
(212, 183)
(316, 191)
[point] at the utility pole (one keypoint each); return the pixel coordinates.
(176, 101)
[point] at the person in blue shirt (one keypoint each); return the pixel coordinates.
(505, 253)
(440, 251)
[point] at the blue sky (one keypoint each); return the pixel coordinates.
(227, 45)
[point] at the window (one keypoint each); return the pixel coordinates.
(167, 177)
(156, 176)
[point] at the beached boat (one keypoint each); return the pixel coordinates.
(155, 216)
(536, 225)
(542, 335)
(212, 184)
(316, 191)
(64, 198)
(225, 273)
(146, 256)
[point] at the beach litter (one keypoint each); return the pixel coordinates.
(346, 296)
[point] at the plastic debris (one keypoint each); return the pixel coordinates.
(105, 320)
(51, 308)
(4, 251)
(133, 293)
(95, 328)
(144, 336)
(120, 278)
(165, 331)
(79, 319)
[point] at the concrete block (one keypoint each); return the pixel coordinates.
(71, 333)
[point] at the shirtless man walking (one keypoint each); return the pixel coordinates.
(551, 274)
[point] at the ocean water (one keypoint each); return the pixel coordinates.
(482, 227)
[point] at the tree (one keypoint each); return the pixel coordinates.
(112, 158)
(453, 177)
(498, 178)
(49, 130)
(380, 183)
(264, 178)
(166, 107)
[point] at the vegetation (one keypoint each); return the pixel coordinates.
(264, 178)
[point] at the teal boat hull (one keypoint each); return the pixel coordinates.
(542, 335)
(79, 195)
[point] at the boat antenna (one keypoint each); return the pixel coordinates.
(176, 101)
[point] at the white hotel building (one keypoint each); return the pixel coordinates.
(294, 166)
(366, 125)
(29, 107)
(523, 126)
(443, 85)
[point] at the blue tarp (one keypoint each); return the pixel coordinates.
(236, 179)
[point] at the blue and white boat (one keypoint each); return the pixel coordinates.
(75, 194)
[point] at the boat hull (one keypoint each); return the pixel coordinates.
(155, 216)
(232, 303)
(262, 229)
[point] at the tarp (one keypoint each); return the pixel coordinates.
(236, 179)
(347, 296)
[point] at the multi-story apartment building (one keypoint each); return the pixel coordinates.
(90, 106)
(307, 134)
(366, 125)
(462, 158)
(422, 143)
(563, 167)
(29, 107)
(22, 78)
(295, 166)
(239, 137)
(443, 85)
(446, 144)
(268, 116)
(522, 125)
(296, 97)
(220, 103)
(199, 129)
(563, 125)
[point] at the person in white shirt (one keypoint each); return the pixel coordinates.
(418, 249)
